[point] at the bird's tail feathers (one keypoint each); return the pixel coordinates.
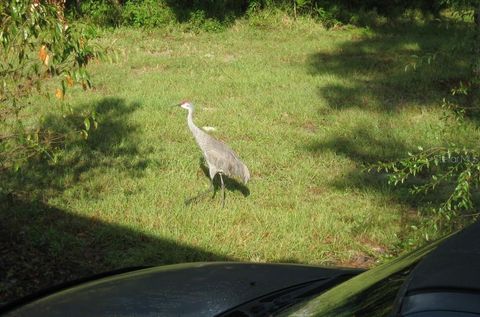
(246, 174)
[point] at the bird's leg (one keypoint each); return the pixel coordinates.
(223, 190)
(212, 187)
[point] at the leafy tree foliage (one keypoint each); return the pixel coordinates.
(36, 47)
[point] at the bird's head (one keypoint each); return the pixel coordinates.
(186, 105)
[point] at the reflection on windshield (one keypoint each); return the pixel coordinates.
(369, 294)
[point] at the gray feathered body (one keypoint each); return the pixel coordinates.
(220, 157)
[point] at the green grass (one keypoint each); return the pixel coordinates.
(304, 107)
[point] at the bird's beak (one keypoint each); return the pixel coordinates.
(175, 105)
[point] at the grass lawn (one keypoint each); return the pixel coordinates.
(303, 106)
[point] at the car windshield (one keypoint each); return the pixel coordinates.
(370, 294)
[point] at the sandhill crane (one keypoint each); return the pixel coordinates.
(220, 157)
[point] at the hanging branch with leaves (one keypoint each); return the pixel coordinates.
(37, 47)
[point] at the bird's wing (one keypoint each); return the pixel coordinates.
(224, 160)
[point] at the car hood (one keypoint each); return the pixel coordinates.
(192, 289)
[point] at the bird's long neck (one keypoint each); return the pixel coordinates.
(195, 130)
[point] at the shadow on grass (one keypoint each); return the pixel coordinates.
(41, 245)
(365, 148)
(362, 145)
(368, 73)
(113, 145)
(369, 69)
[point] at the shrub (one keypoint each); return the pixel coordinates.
(147, 13)
(198, 21)
(326, 17)
(102, 12)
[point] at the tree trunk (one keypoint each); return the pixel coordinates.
(78, 6)
(295, 9)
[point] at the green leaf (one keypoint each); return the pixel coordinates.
(86, 122)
